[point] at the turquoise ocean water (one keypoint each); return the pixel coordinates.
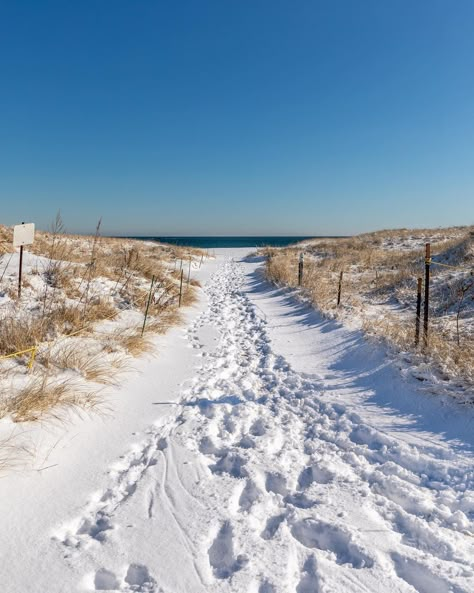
(217, 242)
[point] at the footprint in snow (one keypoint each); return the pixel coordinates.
(299, 500)
(250, 494)
(258, 428)
(105, 580)
(309, 582)
(313, 533)
(137, 579)
(421, 578)
(266, 587)
(221, 554)
(272, 526)
(276, 483)
(313, 473)
(230, 463)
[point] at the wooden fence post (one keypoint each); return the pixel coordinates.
(189, 271)
(339, 290)
(300, 269)
(181, 288)
(148, 303)
(418, 311)
(427, 294)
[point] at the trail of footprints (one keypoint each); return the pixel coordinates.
(255, 421)
(96, 520)
(274, 391)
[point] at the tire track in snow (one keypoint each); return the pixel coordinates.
(294, 483)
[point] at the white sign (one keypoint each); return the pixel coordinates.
(23, 234)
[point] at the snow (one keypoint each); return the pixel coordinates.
(379, 295)
(264, 450)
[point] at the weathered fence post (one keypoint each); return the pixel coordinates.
(181, 288)
(148, 303)
(418, 311)
(300, 269)
(427, 294)
(200, 263)
(339, 290)
(189, 271)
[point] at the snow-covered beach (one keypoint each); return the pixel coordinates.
(264, 449)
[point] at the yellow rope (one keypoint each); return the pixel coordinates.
(437, 263)
(32, 358)
(19, 353)
(33, 351)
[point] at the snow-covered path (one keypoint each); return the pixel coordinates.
(265, 478)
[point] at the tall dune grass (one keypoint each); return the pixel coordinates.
(81, 283)
(378, 278)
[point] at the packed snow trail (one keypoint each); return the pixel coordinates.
(255, 484)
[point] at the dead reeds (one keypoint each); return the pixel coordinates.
(44, 397)
(83, 307)
(380, 275)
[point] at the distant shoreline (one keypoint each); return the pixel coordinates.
(208, 242)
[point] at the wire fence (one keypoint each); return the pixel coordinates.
(354, 284)
(171, 290)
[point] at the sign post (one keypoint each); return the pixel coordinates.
(23, 234)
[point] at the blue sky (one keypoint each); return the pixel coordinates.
(237, 117)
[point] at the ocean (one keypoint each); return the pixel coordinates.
(216, 242)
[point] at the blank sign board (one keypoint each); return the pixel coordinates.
(23, 234)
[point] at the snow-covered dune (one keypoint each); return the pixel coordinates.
(270, 451)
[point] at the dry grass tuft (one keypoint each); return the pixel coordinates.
(189, 297)
(19, 333)
(454, 361)
(100, 367)
(133, 342)
(166, 319)
(14, 453)
(43, 397)
(69, 319)
(6, 240)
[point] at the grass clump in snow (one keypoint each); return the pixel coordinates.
(380, 272)
(99, 367)
(14, 453)
(44, 397)
(85, 287)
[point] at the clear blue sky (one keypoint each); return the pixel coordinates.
(237, 117)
